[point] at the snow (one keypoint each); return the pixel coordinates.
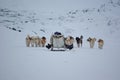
(18, 62)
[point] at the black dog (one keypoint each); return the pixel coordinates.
(69, 46)
(79, 41)
(48, 46)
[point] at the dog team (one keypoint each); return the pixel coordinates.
(36, 41)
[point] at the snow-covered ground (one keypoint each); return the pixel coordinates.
(18, 62)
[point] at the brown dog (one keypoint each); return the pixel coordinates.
(100, 43)
(43, 41)
(69, 42)
(91, 41)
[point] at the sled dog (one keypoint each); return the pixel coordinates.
(100, 43)
(79, 41)
(91, 41)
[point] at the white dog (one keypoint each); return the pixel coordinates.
(28, 41)
(91, 41)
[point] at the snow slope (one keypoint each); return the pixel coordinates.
(18, 62)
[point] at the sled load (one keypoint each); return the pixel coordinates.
(59, 43)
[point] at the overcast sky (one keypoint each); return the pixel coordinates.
(49, 4)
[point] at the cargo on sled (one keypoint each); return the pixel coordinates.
(59, 43)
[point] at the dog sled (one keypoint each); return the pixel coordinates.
(57, 42)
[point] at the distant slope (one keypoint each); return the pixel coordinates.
(102, 21)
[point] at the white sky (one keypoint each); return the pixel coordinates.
(52, 5)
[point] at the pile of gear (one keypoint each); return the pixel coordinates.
(59, 42)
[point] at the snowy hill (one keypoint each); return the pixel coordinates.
(84, 21)
(18, 62)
